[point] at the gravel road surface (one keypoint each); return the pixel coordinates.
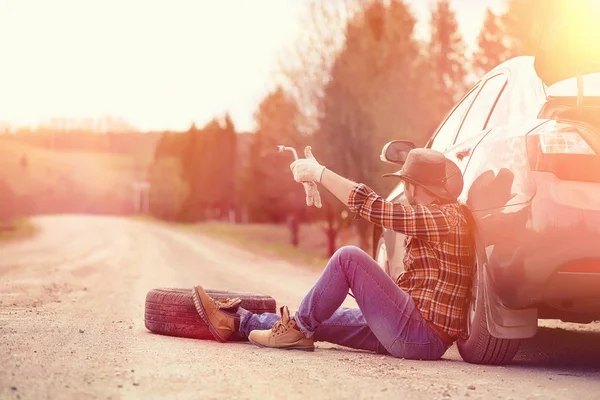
(71, 326)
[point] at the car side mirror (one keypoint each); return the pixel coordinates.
(396, 151)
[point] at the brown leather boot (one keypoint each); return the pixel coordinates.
(222, 324)
(283, 335)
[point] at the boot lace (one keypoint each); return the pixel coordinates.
(226, 303)
(279, 328)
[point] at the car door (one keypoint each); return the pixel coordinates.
(475, 125)
(441, 141)
(394, 241)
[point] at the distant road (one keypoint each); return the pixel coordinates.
(71, 326)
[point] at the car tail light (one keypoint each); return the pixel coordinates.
(591, 266)
(563, 150)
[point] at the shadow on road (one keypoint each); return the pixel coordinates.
(561, 348)
(564, 351)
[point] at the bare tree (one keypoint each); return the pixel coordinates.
(305, 67)
(304, 71)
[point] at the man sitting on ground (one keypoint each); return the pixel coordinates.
(417, 317)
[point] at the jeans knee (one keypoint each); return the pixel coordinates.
(346, 253)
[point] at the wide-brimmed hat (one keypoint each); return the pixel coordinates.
(433, 171)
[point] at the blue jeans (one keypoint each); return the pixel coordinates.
(387, 320)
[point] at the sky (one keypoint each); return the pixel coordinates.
(158, 64)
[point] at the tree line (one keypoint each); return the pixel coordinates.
(357, 78)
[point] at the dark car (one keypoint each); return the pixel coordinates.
(527, 139)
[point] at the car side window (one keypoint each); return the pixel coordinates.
(482, 107)
(397, 193)
(445, 134)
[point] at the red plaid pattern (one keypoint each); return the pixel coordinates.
(439, 258)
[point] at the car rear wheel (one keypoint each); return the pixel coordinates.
(381, 256)
(480, 347)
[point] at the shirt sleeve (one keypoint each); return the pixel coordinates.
(424, 222)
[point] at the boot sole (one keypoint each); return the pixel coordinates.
(202, 313)
(302, 348)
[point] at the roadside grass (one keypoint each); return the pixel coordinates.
(53, 173)
(19, 228)
(275, 240)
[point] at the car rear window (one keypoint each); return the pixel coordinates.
(568, 87)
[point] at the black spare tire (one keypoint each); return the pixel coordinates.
(171, 311)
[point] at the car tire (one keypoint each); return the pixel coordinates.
(480, 347)
(171, 311)
(381, 256)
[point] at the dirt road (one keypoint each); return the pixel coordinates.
(71, 326)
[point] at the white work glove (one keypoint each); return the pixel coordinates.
(308, 171)
(312, 194)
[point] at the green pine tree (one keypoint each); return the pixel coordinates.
(491, 48)
(447, 55)
(269, 190)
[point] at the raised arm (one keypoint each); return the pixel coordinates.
(430, 223)
(424, 222)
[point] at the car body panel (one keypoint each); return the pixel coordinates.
(395, 240)
(495, 178)
(525, 93)
(528, 244)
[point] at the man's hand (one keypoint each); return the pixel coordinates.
(307, 169)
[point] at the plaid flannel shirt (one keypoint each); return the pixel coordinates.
(439, 257)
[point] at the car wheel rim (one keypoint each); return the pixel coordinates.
(382, 256)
